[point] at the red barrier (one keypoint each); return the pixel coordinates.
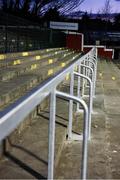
(102, 51)
(74, 41)
(87, 49)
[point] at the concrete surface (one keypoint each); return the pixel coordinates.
(104, 147)
(16, 80)
(27, 157)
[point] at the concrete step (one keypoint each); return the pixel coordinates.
(27, 147)
(11, 59)
(19, 85)
(28, 157)
(10, 56)
(30, 65)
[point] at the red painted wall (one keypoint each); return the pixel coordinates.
(102, 52)
(87, 49)
(74, 41)
(109, 54)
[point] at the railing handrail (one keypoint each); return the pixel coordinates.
(11, 117)
(50, 80)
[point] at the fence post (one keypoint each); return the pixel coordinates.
(71, 106)
(51, 150)
(78, 89)
(85, 132)
(90, 101)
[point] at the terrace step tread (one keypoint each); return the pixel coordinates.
(28, 157)
(12, 89)
(43, 53)
(11, 72)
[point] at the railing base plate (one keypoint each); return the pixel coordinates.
(85, 96)
(76, 137)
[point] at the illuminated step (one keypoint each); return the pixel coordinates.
(33, 66)
(50, 72)
(50, 61)
(2, 57)
(16, 62)
(25, 54)
(38, 57)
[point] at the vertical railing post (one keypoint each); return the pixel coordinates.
(71, 105)
(83, 81)
(87, 65)
(90, 107)
(85, 146)
(78, 87)
(88, 74)
(93, 59)
(85, 133)
(96, 52)
(51, 150)
(90, 101)
(94, 78)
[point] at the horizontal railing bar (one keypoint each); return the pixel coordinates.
(11, 117)
(68, 96)
(20, 100)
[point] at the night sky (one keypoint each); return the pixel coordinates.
(95, 5)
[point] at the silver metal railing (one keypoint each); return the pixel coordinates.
(11, 117)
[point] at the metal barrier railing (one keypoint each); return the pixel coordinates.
(11, 117)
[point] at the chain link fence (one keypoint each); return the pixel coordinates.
(24, 38)
(17, 34)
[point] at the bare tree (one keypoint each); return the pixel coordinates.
(17, 4)
(63, 6)
(38, 7)
(66, 6)
(26, 6)
(107, 9)
(7, 4)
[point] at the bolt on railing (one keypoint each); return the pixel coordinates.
(11, 117)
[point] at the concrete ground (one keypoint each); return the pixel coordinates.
(27, 158)
(104, 146)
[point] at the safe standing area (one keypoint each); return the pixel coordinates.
(28, 157)
(104, 146)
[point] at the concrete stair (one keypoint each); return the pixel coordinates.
(26, 157)
(16, 80)
(26, 148)
(24, 152)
